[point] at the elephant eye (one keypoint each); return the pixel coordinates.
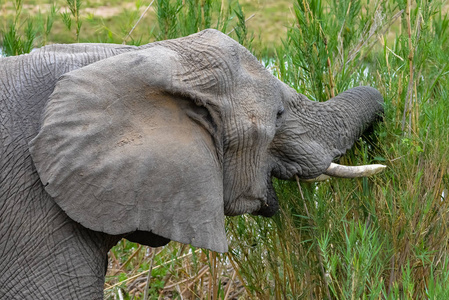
(280, 113)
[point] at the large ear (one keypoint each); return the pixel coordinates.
(128, 144)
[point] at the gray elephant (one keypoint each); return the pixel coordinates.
(151, 143)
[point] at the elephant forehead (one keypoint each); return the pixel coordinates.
(263, 94)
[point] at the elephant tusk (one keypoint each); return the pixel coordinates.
(322, 177)
(341, 171)
(336, 170)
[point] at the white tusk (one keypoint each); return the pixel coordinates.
(337, 170)
(322, 177)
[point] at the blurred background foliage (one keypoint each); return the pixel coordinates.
(384, 237)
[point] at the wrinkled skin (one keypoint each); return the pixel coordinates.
(151, 143)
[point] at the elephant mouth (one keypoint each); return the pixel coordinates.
(261, 204)
(271, 205)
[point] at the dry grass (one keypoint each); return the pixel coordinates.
(177, 271)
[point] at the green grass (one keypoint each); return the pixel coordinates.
(111, 21)
(384, 237)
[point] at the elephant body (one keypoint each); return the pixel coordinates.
(44, 254)
(151, 143)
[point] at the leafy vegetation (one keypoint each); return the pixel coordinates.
(381, 237)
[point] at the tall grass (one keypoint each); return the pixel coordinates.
(13, 42)
(384, 237)
(68, 22)
(73, 17)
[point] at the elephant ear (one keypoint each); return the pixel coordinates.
(127, 145)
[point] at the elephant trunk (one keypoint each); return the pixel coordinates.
(356, 109)
(315, 133)
(349, 115)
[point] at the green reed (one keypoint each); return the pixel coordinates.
(382, 237)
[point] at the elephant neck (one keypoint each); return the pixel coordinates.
(49, 256)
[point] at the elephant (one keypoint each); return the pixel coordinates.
(151, 143)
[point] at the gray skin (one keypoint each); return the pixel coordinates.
(151, 143)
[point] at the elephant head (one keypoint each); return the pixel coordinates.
(165, 140)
